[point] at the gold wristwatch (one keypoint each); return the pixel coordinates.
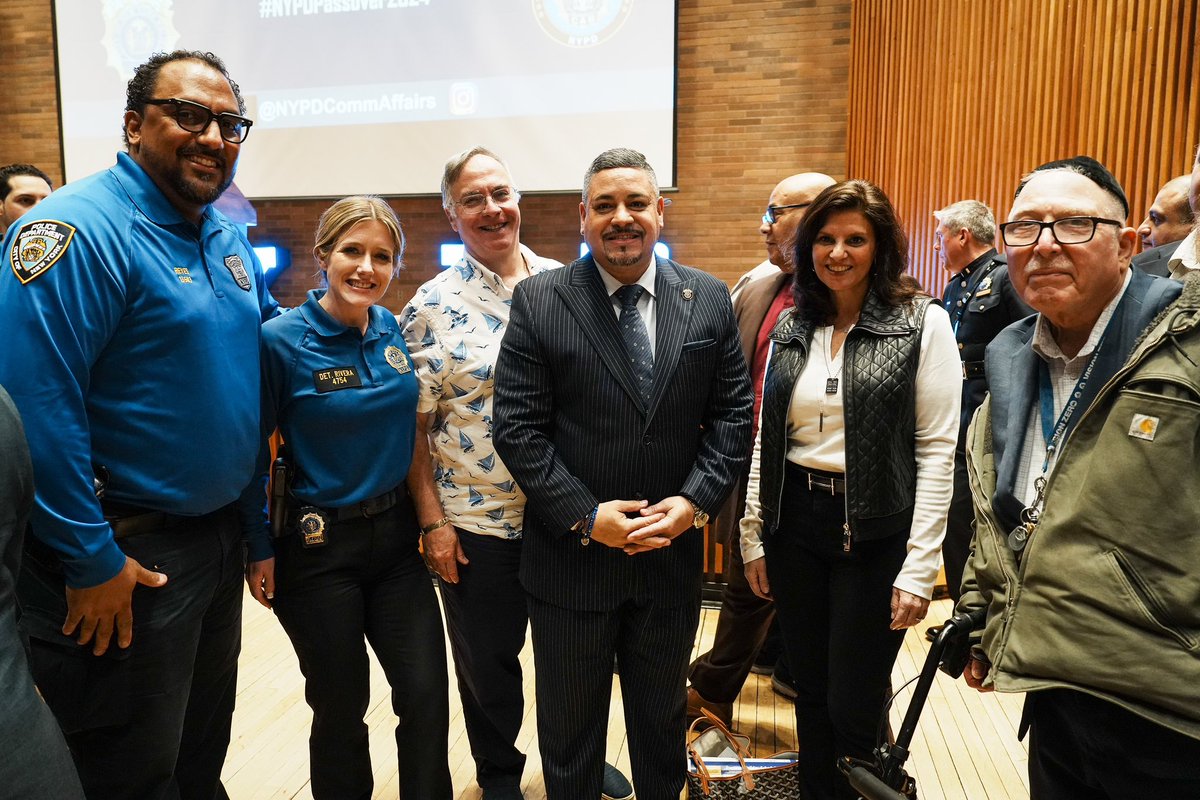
(699, 516)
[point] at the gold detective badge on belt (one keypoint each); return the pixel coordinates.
(311, 525)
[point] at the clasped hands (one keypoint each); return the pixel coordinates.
(635, 526)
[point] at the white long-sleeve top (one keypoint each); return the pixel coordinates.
(816, 439)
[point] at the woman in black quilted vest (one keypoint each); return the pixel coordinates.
(851, 475)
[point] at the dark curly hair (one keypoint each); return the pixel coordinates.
(888, 279)
(145, 77)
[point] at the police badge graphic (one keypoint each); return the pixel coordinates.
(238, 270)
(395, 357)
(581, 23)
(38, 246)
(133, 29)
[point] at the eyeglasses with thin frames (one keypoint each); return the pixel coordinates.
(1068, 230)
(772, 215)
(195, 118)
(475, 203)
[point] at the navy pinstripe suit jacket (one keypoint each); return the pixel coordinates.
(573, 430)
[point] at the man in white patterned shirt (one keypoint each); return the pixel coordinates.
(453, 327)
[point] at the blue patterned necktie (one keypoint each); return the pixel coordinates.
(637, 343)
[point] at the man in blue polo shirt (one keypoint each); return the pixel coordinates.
(131, 323)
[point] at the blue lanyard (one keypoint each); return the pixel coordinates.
(1053, 433)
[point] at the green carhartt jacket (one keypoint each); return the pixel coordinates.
(1106, 596)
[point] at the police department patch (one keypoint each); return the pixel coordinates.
(238, 270)
(38, 246)
(581, 23)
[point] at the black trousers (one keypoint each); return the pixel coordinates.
(151, 721)
(956, 547)
(573, 657)
(742, 627)
(1083, 747)
(834, 610)
(367, 584)
(487, 616)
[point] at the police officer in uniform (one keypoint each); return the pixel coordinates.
(131, 324)
(981, 303)
(339, 384)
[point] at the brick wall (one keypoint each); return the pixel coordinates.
(761, 95)
(28, 90)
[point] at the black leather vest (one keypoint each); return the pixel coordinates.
(880, 369)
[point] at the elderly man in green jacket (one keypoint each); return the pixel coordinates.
(1085, 473)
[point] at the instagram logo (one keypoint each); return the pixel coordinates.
(464, 96)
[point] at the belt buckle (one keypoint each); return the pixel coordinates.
(821, 483)
(964, 371)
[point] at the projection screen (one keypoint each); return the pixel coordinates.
(353, 96)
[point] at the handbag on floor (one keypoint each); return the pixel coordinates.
(720, 766)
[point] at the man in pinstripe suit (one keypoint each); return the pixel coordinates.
(622, 407)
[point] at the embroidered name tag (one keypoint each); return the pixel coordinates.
(335, 378)
(1143, 427)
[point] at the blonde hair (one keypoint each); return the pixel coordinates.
(348, 212)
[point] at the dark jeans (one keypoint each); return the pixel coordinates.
(487, 616)
(368, 582)
(956, 547)
(573, 657)
(742, 627)
(151, 721)
(1083, 747)
(834, 610)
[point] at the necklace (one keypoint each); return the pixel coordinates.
(831, 381)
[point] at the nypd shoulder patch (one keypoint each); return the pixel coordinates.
(38, 246)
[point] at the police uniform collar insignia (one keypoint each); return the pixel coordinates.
(38, 246)
(238, 270)
(395, 358)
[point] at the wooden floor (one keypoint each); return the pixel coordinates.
(965, 747)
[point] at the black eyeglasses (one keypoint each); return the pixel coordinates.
(195, 118)
(1068, 230)
(772, 215)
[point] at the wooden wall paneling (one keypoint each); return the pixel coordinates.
(1187, 85)
(1144, 147)
(955, 99)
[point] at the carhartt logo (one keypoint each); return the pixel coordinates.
(1143, 427)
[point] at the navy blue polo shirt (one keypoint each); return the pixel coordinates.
(345, 402)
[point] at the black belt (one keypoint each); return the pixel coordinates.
(972, 369)
(372, 507)
(129, 521)
(818, 482)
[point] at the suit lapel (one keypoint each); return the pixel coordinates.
(592, 309)
(674, 300)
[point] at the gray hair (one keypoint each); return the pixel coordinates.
(619, 158)
(973, 215)
(458, 163)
